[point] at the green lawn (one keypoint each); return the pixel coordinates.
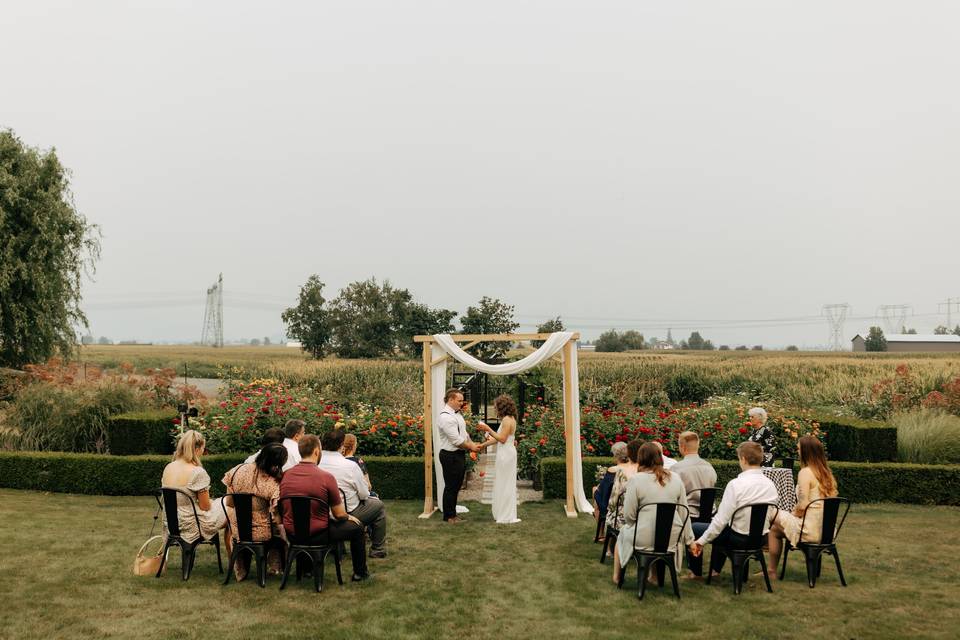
(65, 572)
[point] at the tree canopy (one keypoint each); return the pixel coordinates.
(45, 247)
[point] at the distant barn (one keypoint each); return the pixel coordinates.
(914, 342)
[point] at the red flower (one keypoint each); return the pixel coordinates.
(176, 421)
(706, 434)
(743, 430)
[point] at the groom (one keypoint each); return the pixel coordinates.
(454, 444)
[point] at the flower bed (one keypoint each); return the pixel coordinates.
(721, 423)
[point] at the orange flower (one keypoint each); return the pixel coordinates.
(473, 455)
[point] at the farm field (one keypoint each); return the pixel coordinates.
(801, 379)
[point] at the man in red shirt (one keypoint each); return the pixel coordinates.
(307, 479)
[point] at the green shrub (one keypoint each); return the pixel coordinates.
(64, 418)
(140, 433)
(393, 478)
(855, 440)
(858, 481)
(928, 436)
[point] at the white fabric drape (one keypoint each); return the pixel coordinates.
(445, 345)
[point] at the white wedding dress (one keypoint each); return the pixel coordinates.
(505, 483)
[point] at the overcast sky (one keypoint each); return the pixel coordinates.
(621, 164)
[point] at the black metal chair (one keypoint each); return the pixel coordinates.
(167, 499)
(661, 552)
(740, 558)
(242, 539)
(829, 530)
(298, 542)
(602, 496)
(611, 534)
(708, 496)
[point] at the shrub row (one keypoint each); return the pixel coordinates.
(393, 478)
(854, 440)
(131, 434)
(858, 481)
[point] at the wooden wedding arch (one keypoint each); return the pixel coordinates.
(471, 340)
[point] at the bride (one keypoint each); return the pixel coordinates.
(505, 475)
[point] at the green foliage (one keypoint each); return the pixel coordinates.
(48, 417)
(550, 326)
(364, 320)
(490, 316)
(792, 347)
(45, 247)
(144, 432)
(393, 478)
(688, 386)
(416, 319)
(941, 330)
(875, 340)
(309, 321)
(371, 320)
(609, 342)
(860, 482)
(928, 436)
(852, 439)
(632, 340)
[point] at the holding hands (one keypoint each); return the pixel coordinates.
(696, 549)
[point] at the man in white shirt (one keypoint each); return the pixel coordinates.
(454, 444)
(357, 499)
(294, 430)
(751, 486)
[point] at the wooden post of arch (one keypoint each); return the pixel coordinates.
(429, 505)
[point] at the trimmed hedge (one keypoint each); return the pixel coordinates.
(859, 481)
(131, 434)
(393, 478)
(853, 440)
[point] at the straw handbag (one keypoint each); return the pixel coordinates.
(147, 565)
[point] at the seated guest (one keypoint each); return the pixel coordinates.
(696, 473)
(186, 473)
(602, 490)
(763, 434)
(370, 511)
(667, 461)
(623, 474)
(349, 452)
(293, 431)
(262, 479)
(652, 483)
(814, 481)
(307, 479)
(749, 487)
(273, 435)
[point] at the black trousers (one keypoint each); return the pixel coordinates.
(454, 464)
(344, 530)
(731, 540)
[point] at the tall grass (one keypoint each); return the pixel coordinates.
(928, 436)
(46, 417)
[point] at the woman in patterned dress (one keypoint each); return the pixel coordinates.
(624, 473)
(762, 434)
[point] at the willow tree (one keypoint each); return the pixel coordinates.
(46, 246)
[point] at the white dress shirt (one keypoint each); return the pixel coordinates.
(748, 487)
(668, 462)
(293, 453)
(349, 477)
(452, 429)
